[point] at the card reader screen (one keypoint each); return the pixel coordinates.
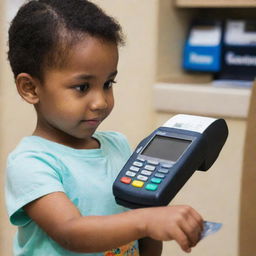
(166, 148)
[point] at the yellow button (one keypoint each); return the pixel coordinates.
(137, 183)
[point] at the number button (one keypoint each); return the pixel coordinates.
(126, 180)
(156, 180)
(151, 187)
(159, 175)
(135, 169)
(130, 174)
(167, 165)
(141, 177)
(141, 159)
(153, 162)
(137, 184)
(138, 164)
(149, 167)
(145, 172)
(163, 170)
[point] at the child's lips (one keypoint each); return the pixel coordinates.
(92, 122)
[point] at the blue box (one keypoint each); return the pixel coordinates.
(202, 50)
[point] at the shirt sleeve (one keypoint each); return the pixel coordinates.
(29, 176)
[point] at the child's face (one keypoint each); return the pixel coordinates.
(74, 100)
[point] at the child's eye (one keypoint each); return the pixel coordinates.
(109, 84)
(82, 87)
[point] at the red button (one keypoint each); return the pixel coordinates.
(126, 180)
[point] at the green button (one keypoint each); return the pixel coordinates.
(151, 187)
(156, 180)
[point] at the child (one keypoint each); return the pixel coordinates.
(64, 56)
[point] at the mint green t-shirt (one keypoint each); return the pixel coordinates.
(38, 167)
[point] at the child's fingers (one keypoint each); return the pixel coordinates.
(192, 227)
(182, 239)
(191, 223)
(197, 217)
(192, 230)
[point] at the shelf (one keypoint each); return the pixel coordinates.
(201, 99)
(216, 3)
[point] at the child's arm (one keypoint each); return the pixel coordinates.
(149, 247)
(62, 221)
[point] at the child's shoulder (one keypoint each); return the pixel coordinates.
(31, 146)
(28, 143)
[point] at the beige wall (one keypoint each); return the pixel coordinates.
(215, 194)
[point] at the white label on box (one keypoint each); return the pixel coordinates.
(205, 36)
(236, 34)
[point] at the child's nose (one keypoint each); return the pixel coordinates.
(99, 101)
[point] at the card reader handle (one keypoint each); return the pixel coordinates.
(215, 136)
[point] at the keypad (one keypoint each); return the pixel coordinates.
(146, 174)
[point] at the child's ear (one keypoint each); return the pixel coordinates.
(27, 88)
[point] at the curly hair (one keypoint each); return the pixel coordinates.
(43, 31)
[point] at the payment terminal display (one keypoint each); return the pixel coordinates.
(164, 161)
(166, 148)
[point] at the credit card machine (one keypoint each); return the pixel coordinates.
(164, 161)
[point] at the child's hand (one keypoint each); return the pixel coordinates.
(180, 223)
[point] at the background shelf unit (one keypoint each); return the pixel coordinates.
(172, 80)
(215, 3)
(202, 99)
